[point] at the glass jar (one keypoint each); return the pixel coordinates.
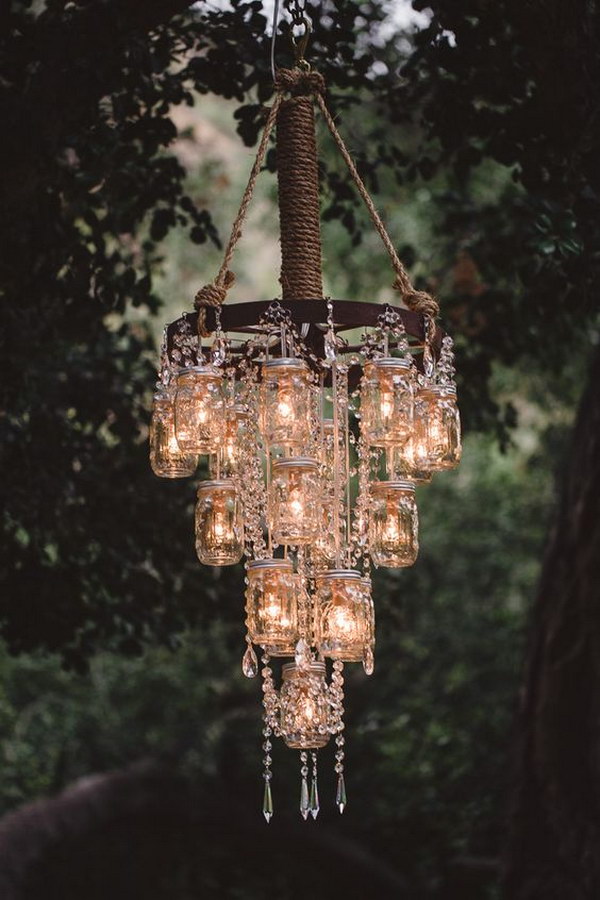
(226, 461)
(272, 605)
(199, 407)
(304, 706)
(285, 402)
(437, 426)
(166, 456)
(294, 502)
(219, 524)
(409, 462)
(344, 625)
(386, 401)
(393, 524)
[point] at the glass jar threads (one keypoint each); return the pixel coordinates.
(344, 615)
(393, 524)
(166, 456)
(272, 605)
(387, 399)
(437, 426)
(219, 524)
(199, 405)
(285, 402)
(304, 706)
(294, 504)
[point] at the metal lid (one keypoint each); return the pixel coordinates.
(390, 362)
(255, 564)
(315, 668)
(285, 362)
(300, 462)
(437, 390)
(219, 485)
(338, 573)
(204, 371)
(395, 485)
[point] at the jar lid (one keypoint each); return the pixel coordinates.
(437, 390)
(290, 669)
(338, 573)
(395, 485)
(255, 564)
(218, 485)
(204, 371)
(286, 362)
(390, 362)
(295, 462)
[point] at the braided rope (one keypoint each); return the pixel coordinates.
(418, 301)
(214, 294)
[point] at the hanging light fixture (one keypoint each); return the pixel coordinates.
(314, 444)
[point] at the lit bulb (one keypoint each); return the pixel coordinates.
(386, 404)
(341, 621)
(285, 407)
(309, 709)
(296, 505)
(391, 532)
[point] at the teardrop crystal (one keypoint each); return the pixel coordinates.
(314, 799)
(250, 662)
(304, 799)
(340, 795)
(302, 655)
(368, 661)
(267, 802)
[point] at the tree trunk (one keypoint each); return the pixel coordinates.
(554, 840)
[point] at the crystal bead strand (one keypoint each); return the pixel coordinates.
(314, 787)
(445, 367)
(249, 660)
(269, 728)
(337, 703)
(304, 796)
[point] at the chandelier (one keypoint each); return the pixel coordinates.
(318, 418)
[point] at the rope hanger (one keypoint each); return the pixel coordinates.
(296, 150)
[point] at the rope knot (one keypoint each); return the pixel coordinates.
(419, 301)
(212, 294)
(298, 82)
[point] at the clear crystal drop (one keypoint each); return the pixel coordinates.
(368, 661)
(302, 655)
(267, 802)
(304, 800)
(340, 795)
(250, 662)
(314, 799)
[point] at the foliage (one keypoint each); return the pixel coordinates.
(429, 791)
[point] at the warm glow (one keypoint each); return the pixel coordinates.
(386, 404)
(341, 621)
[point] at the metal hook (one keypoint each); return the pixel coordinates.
(300, 43)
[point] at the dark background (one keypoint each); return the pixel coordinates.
(472, 751)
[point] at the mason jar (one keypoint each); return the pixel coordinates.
(386, 401)
(199, 408)
(225, 462)
(219, 524)
(437, 426)
(272, 605)
(285, 402)
(294, 501)
(393, 524)
(304, 706)
(344, 627)
(167, 458)
(409, 462)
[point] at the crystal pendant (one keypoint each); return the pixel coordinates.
(304, 799)
(267, 802)
(368, 661)
(303, 655)
(250, 662)
(314, 799)
(340, 794)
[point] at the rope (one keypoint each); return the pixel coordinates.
(418, 301)
(214, 294)
(298, 181)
